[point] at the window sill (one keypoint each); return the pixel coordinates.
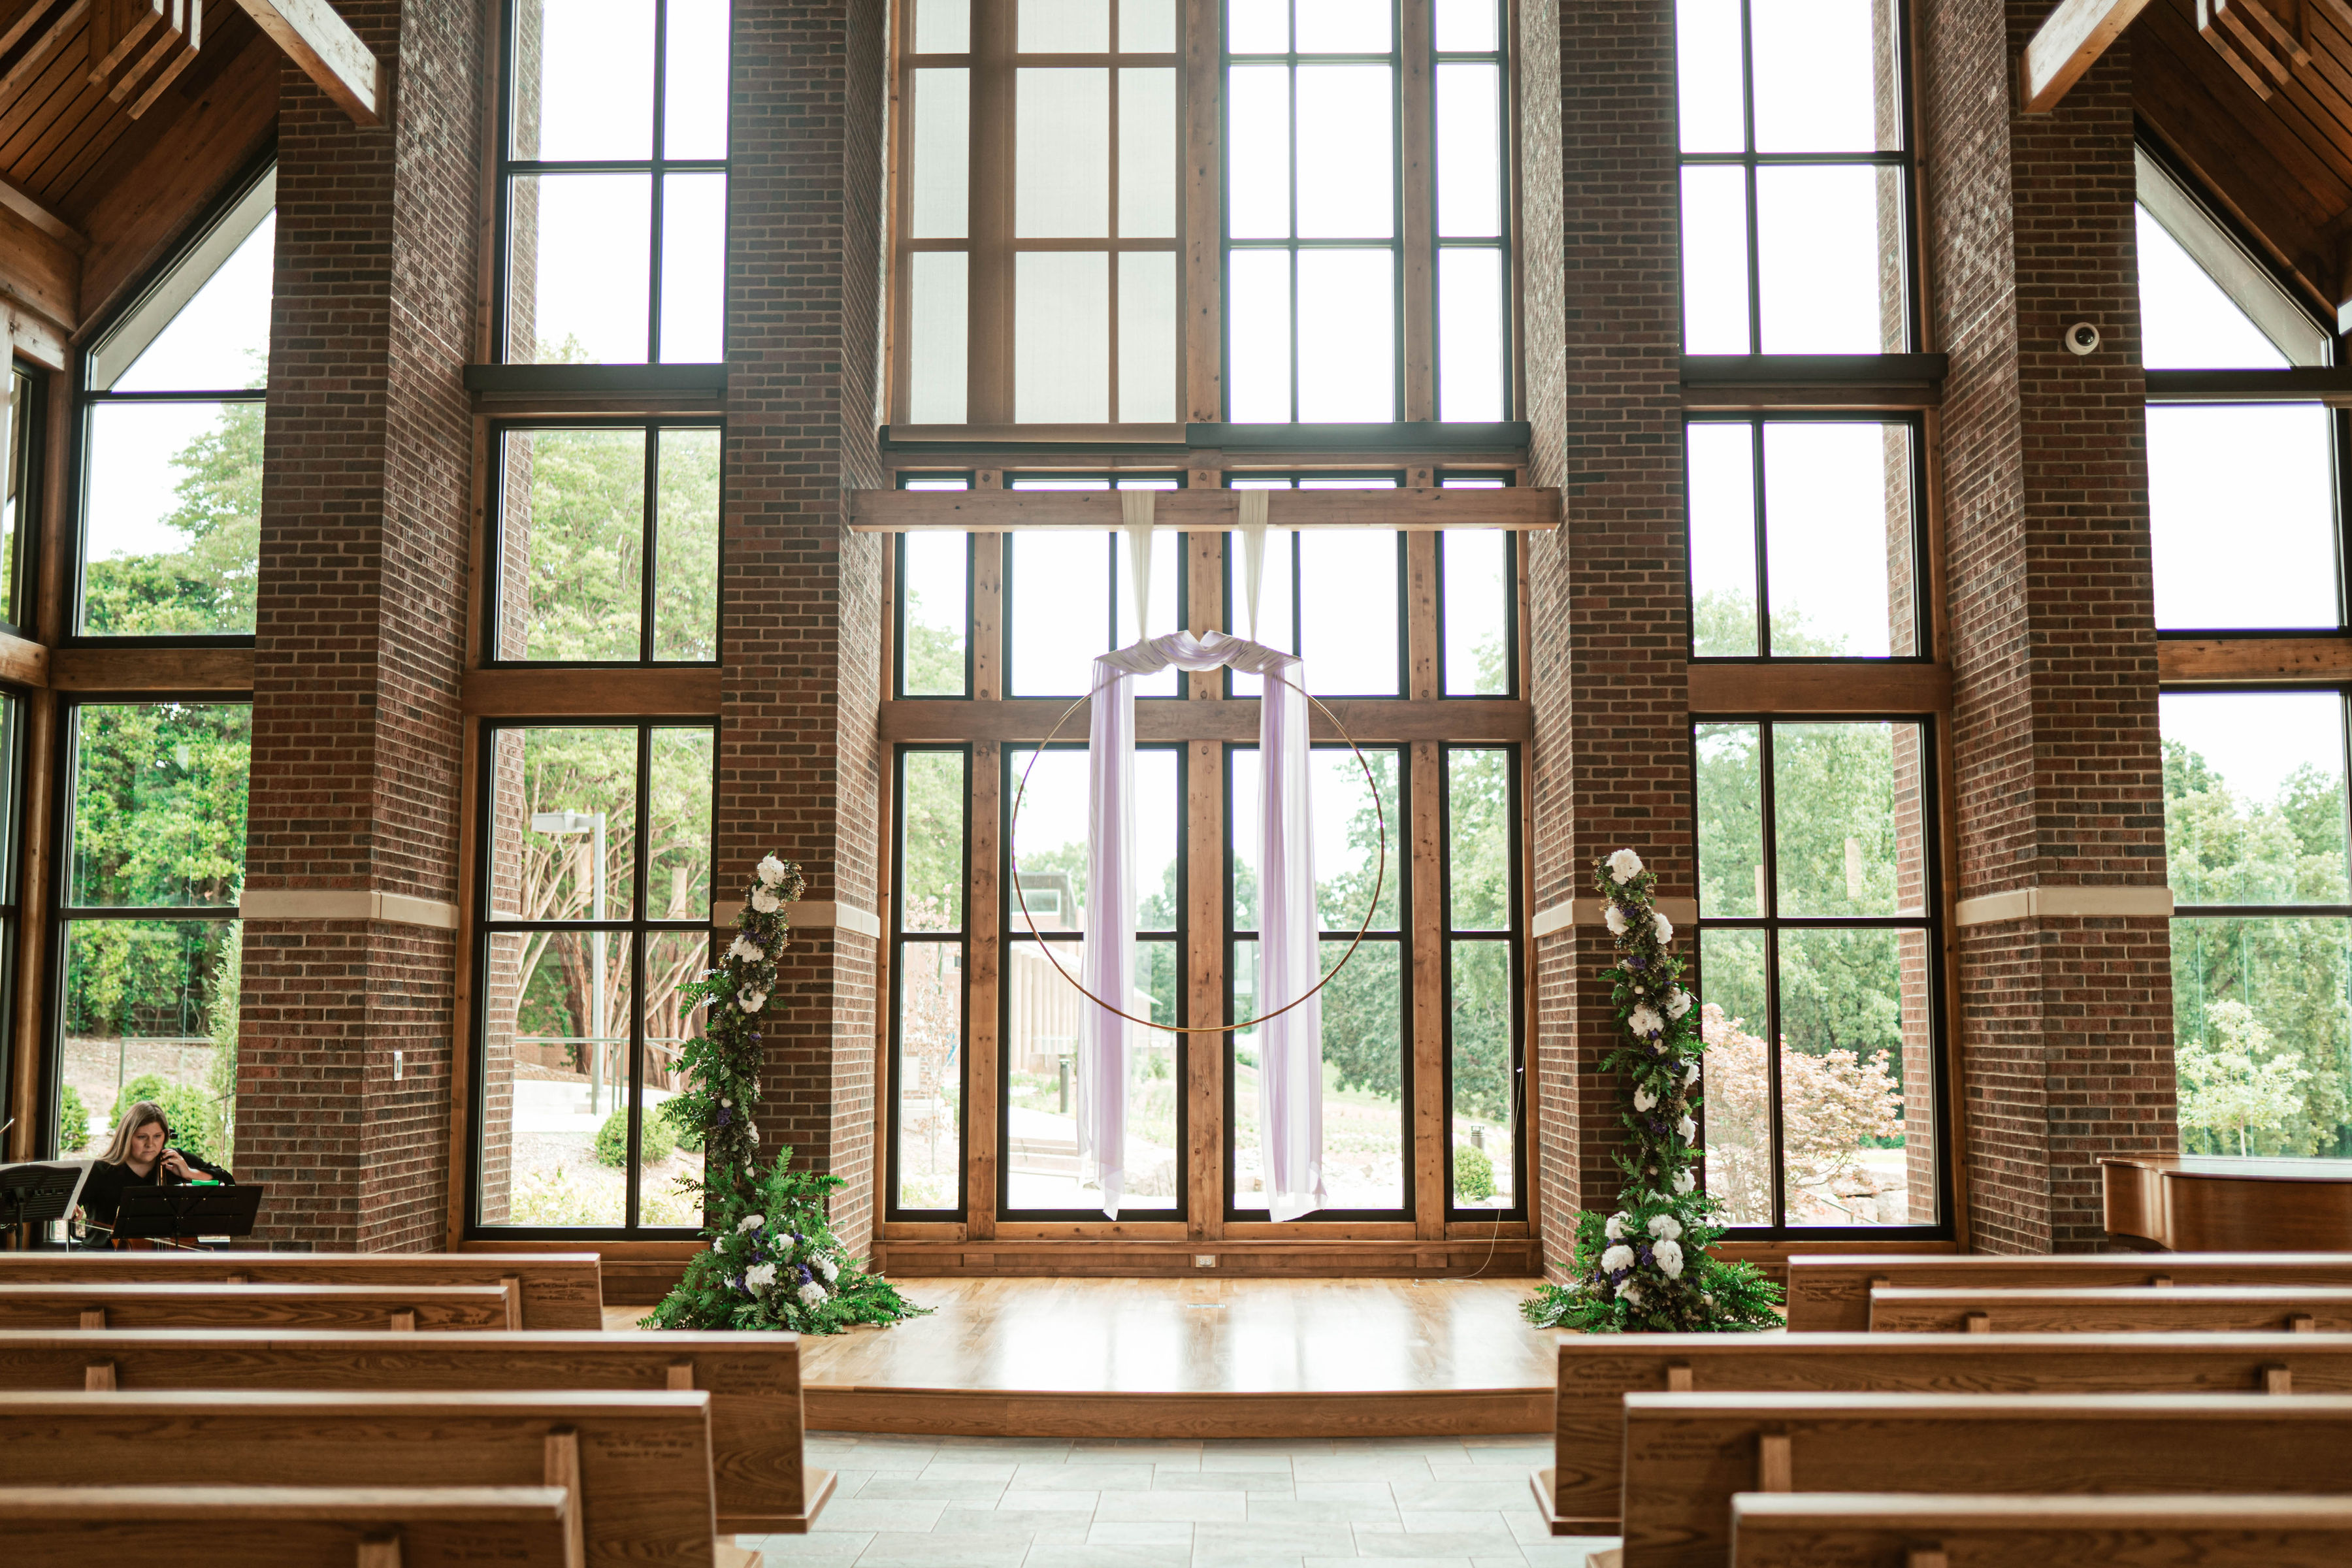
(2331, 384)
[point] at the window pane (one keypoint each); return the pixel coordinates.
(583, 78)
(677, 878)
(1147, 26)
(694, 268)
(562, 309)
(1363, 1073)
(939, 301)
(1469, 149)
(1167, 568)
(1825, 76)
(1060, 337)
(1257, 352)
(571, 544)
(1829, 248)
(1347, 336)
(2187, 322)
(1346, 152)
(1042, 1081)
(934, 609)
(563, 823)
(1478, 1014)
(173, 529)
(1257, 26)
(1476, 565)
(1736, 1092)
(1049, 839)
(1470, 374)
(1343, 27)
(1063, 26)
(1347, 612)
(939, 199)
(672, 959)
(2259, 1013)
(1845, 810)
(685, 578)
(1147, 337)
(220, 338)
(932, 840)
(150, 1012)
(2241, 505)
(1271, 625)
(1715, 261)
(1843, 1036)
(555, 1122)
(1722, 478)
(1463, 26)
(1058, 614)
(1478, 839)
(1730, 821)
(24, 462)
(1350, 834)
(694, 101)
(1710, 97)
(1061, 137)
(1257, 169)
(2254, 797)
(929, 1075)
(942, 27)
(1147, 153)
(159, 799)
(1837, 540)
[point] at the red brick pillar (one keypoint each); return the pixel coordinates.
(351, 857)
(2065, 1029)
(800, 768)
(1609, 621)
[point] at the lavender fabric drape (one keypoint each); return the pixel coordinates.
(1290, 1048)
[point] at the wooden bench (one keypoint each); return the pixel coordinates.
(553, 1290)
(2216, 1309)
(638, 1464)
(753, 1380)
(1580, 1493)
(372, 1308)
(1831, 1292)
(1687, 1453)
(1874, 1530)
(287, 1527)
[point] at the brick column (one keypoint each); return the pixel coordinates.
(360, 636)
(2065, 1032)
(1609, 613)
(799, 770)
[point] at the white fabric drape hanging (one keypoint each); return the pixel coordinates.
(1290, 1048)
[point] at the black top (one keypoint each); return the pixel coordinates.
(102, 1193)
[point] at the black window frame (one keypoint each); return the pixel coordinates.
(1512, 938)
(28, 438)
(899, 936)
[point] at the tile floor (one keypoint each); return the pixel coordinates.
(1048, 1503)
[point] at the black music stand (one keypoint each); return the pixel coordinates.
(179, 1212)
(39, 1190)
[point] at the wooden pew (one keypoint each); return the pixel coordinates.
(1687, 1453)
(376, 1308)
(287, 1527)
(638, 1464)
(753, 1381)
(553, 1290)
(1831, 1292)
(2217, 1309)
(1580, 1493)
(1867, 1530)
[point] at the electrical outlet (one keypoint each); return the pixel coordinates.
(1204, 1261)
(396, 1067)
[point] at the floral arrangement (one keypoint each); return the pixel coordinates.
(722, 1065)
(1645, 1267)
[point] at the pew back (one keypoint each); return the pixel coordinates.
(556, 1289)
(364, 1308)
(641, 1462)
(286, 1527)
(2227, 1309)
(1833, 1529)
(1581, 1491)
(1831, 1292)
(1687, 1453)
(753, 1382)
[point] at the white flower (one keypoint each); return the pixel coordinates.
(811, 1294)
(1618, 1256)
(828, 1268)
(1678, 1003)
(1669, 1254)
(1624, 866)
(1684, 1183)
(1687, 1128)
(1666, 928)
(1644, 1099)
(750, 1222)
(759, 1277)
(1615, 1229)
(1644, 1021)
(771, 871)
(727, 1103)
(1630, 1291)
(766, 902)
(1616, 919)
(750, 1000)
(1690, 1076)
(1665, 1227)
(747, 949)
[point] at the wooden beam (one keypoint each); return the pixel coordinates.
(329, 52)
(226, 671)
(2189, 660)
(905, 511)
(26, 663)
(1028, 718)
(2069, 44)
(18, 200)
(45, 50)
(527, 693)
(1854, 688)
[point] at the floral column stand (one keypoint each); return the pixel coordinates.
(1646, 1269)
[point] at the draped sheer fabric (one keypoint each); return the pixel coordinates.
(1291, 1064)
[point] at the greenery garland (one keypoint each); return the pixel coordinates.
(1646, 1269)
(774, 1262)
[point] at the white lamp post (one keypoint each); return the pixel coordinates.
(558, 824)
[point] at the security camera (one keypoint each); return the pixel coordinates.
(2083, 338)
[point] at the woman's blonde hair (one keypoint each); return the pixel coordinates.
(141, 1113)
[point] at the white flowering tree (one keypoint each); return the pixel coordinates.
(1645, 1267)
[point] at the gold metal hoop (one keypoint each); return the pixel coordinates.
(1379, 874)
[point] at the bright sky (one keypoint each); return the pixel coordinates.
(1054, 812)
(2255, 739)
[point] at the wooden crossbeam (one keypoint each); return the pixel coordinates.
(45, 48)
(1414, 510)
(329, 52)
(2069, 44)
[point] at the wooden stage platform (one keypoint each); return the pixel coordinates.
(1192, 1358)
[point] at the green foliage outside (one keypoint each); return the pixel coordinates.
(206, 585)
(73, 1122)
(1474, 1173)
(657, 1143)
